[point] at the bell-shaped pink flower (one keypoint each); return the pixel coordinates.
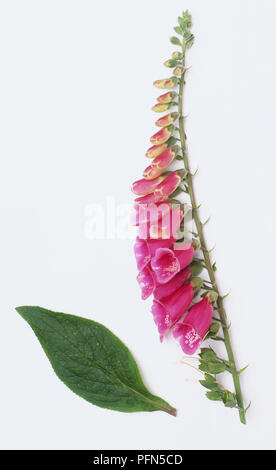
(143, 187)
(144, 213)
(168, 262)
(147, 282)
(195, 325)
(164, 290)
(167, 312)
(166, 226)
(144, 250)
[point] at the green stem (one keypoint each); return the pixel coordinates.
(200, 231)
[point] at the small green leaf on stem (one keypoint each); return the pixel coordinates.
(214, 395)
(178, 30)
(175, 40)
(212, 367)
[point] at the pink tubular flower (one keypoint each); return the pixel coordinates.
(144, 250)
(149, 285)
(147, 282)
(160, 163)
(145, 213)
(166, 120)
(195, 325)
(167, 312)
(150, 199)
(165, 227)
(164, 290)
(143, 187)
(167, 262)
(155, 150)
(168, 185)
(162, 136)
(167, 97)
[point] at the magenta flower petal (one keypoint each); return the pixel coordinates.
(144, 249)
(168, 311)
(167, 262)
(168, 185)
(154, 245)
(151, 198)
(164, 290)
(194, 327)
(161, 318)
(166, 226)
(144, 213)
(143, 187)
(146, 282)
(142, 254)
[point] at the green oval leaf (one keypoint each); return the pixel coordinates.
(207, 355)
(92, 361)
(178, 30)
(215, 396)
(209, 385)
(212, 367)
(175, 40)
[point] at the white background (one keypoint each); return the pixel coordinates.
(76, 96)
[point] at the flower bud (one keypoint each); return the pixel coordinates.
(151, 198)
(166, 82)
(143, 187)
(155, 150)
(167, 97)
(162, 136)
(170, 63)
(160, 107)
(160, 163)
(166, 120)
(196, 268)
(177, 55)
(168, 185)
(177, 71)
(196, 283)
(212, 296)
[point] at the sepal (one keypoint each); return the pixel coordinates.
(170, 63)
